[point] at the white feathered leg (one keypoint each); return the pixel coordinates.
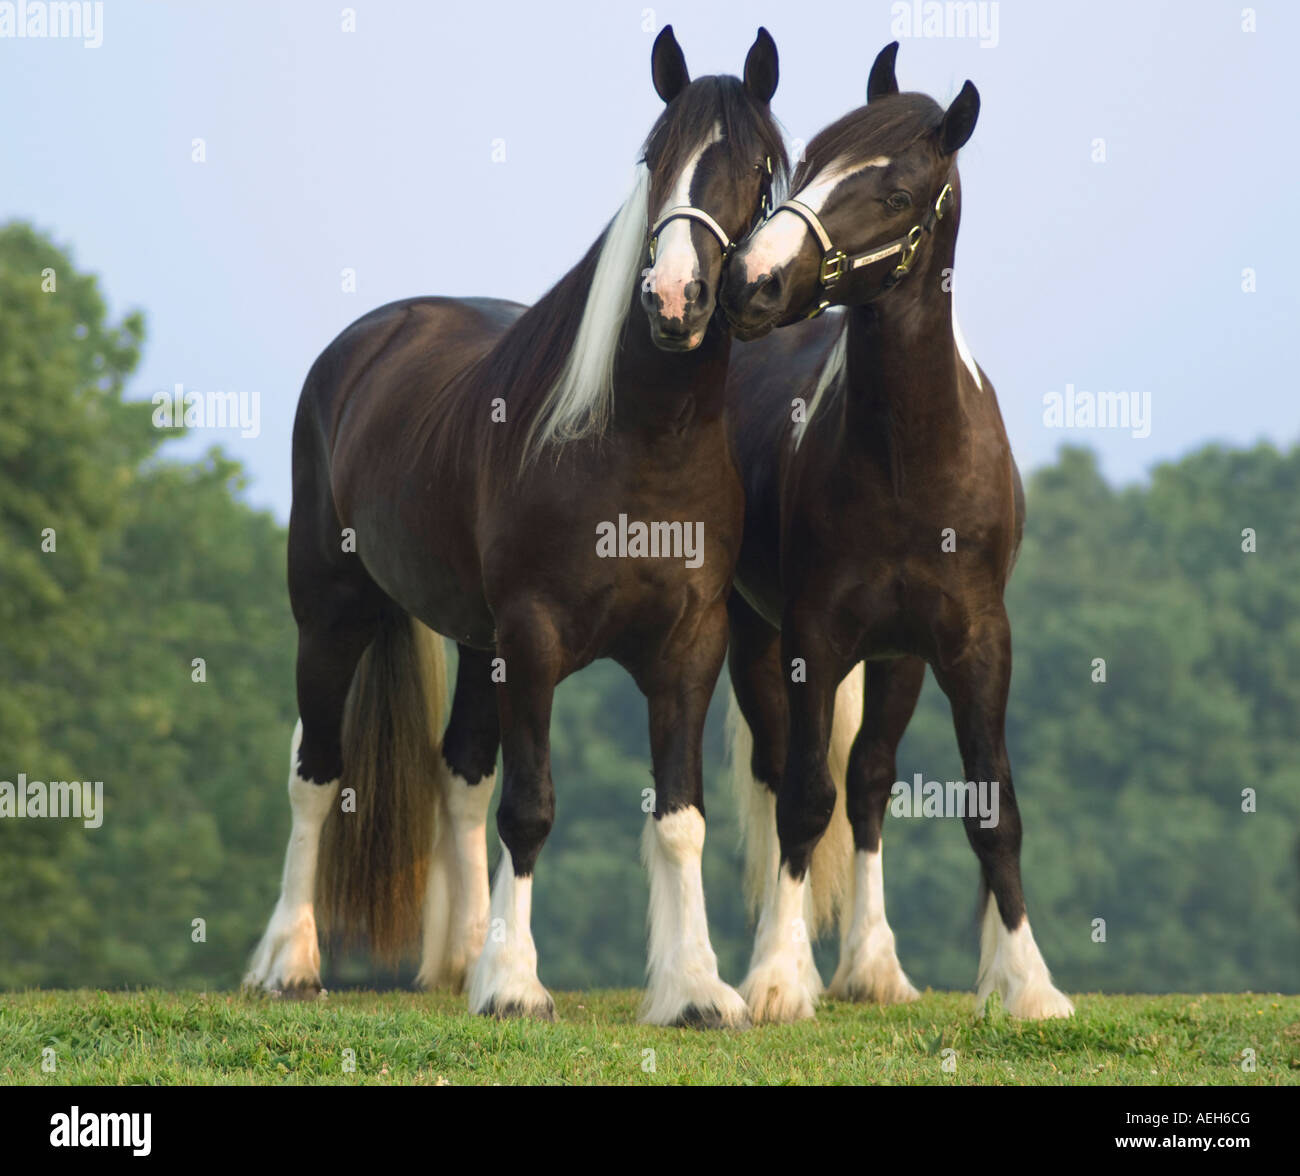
(1012, 966)
(683, 986)
(504, 983)
(287, 960)
(457, 899)
(869, 969)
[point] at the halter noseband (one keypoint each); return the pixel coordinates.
(690, 212)
(835, 263)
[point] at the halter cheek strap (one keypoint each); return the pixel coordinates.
(835, 263)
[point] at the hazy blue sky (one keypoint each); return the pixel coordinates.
(373, 150)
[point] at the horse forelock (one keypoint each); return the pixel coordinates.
(886, 128)
(708, 107)
(711, 109)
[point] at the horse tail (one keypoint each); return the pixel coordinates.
(756, 805)
(831, 873)
(375, 854)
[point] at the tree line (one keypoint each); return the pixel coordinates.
(146, 641)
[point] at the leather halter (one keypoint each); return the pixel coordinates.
(690, 212)
(835, 263)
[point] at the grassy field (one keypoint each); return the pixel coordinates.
(156, 1037)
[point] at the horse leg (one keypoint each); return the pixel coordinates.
(758, 750)
(777, 986)
(330, 643)
(869, 968)
(457, 898)
(683, 986)
(976, 683)
(759, 733)
(504, 982)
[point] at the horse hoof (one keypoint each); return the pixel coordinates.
(509, 1009)
(300, 990)
(712, 1017)
(776, 1000)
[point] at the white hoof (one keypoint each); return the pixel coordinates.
(869, 971)
(777, 994)
(701, 1002)
(498, 989)
(1040, 1002)
(287, 961)
(1012, 966)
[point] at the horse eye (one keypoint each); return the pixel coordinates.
(899, 201)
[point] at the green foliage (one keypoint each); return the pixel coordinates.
(154, 564)
(1131, 789)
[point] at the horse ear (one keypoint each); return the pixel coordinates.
(668, 65)
(959, 120)
(882, 80)
(761, 69)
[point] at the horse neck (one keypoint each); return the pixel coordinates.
(660, 392)
(903, 399)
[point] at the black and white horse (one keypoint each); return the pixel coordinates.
(883, 515)
(457, 465)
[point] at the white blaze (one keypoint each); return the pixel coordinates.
(777, 242)
(676, 262)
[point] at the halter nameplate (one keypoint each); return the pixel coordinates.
(689, 212)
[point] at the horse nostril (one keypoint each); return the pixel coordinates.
(768, 289)
(696, 291)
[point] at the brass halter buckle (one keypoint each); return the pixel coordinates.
(833, 266)
(942, 201)
(914, 235)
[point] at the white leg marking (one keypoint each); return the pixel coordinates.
(288, 957)
(1012, 966)
(869, 967)
(783, 983)
(456, 899)
(504, 981)
(683, 986)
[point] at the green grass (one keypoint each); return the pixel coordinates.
(156, 1037)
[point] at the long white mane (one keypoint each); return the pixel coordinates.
(581, 400)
